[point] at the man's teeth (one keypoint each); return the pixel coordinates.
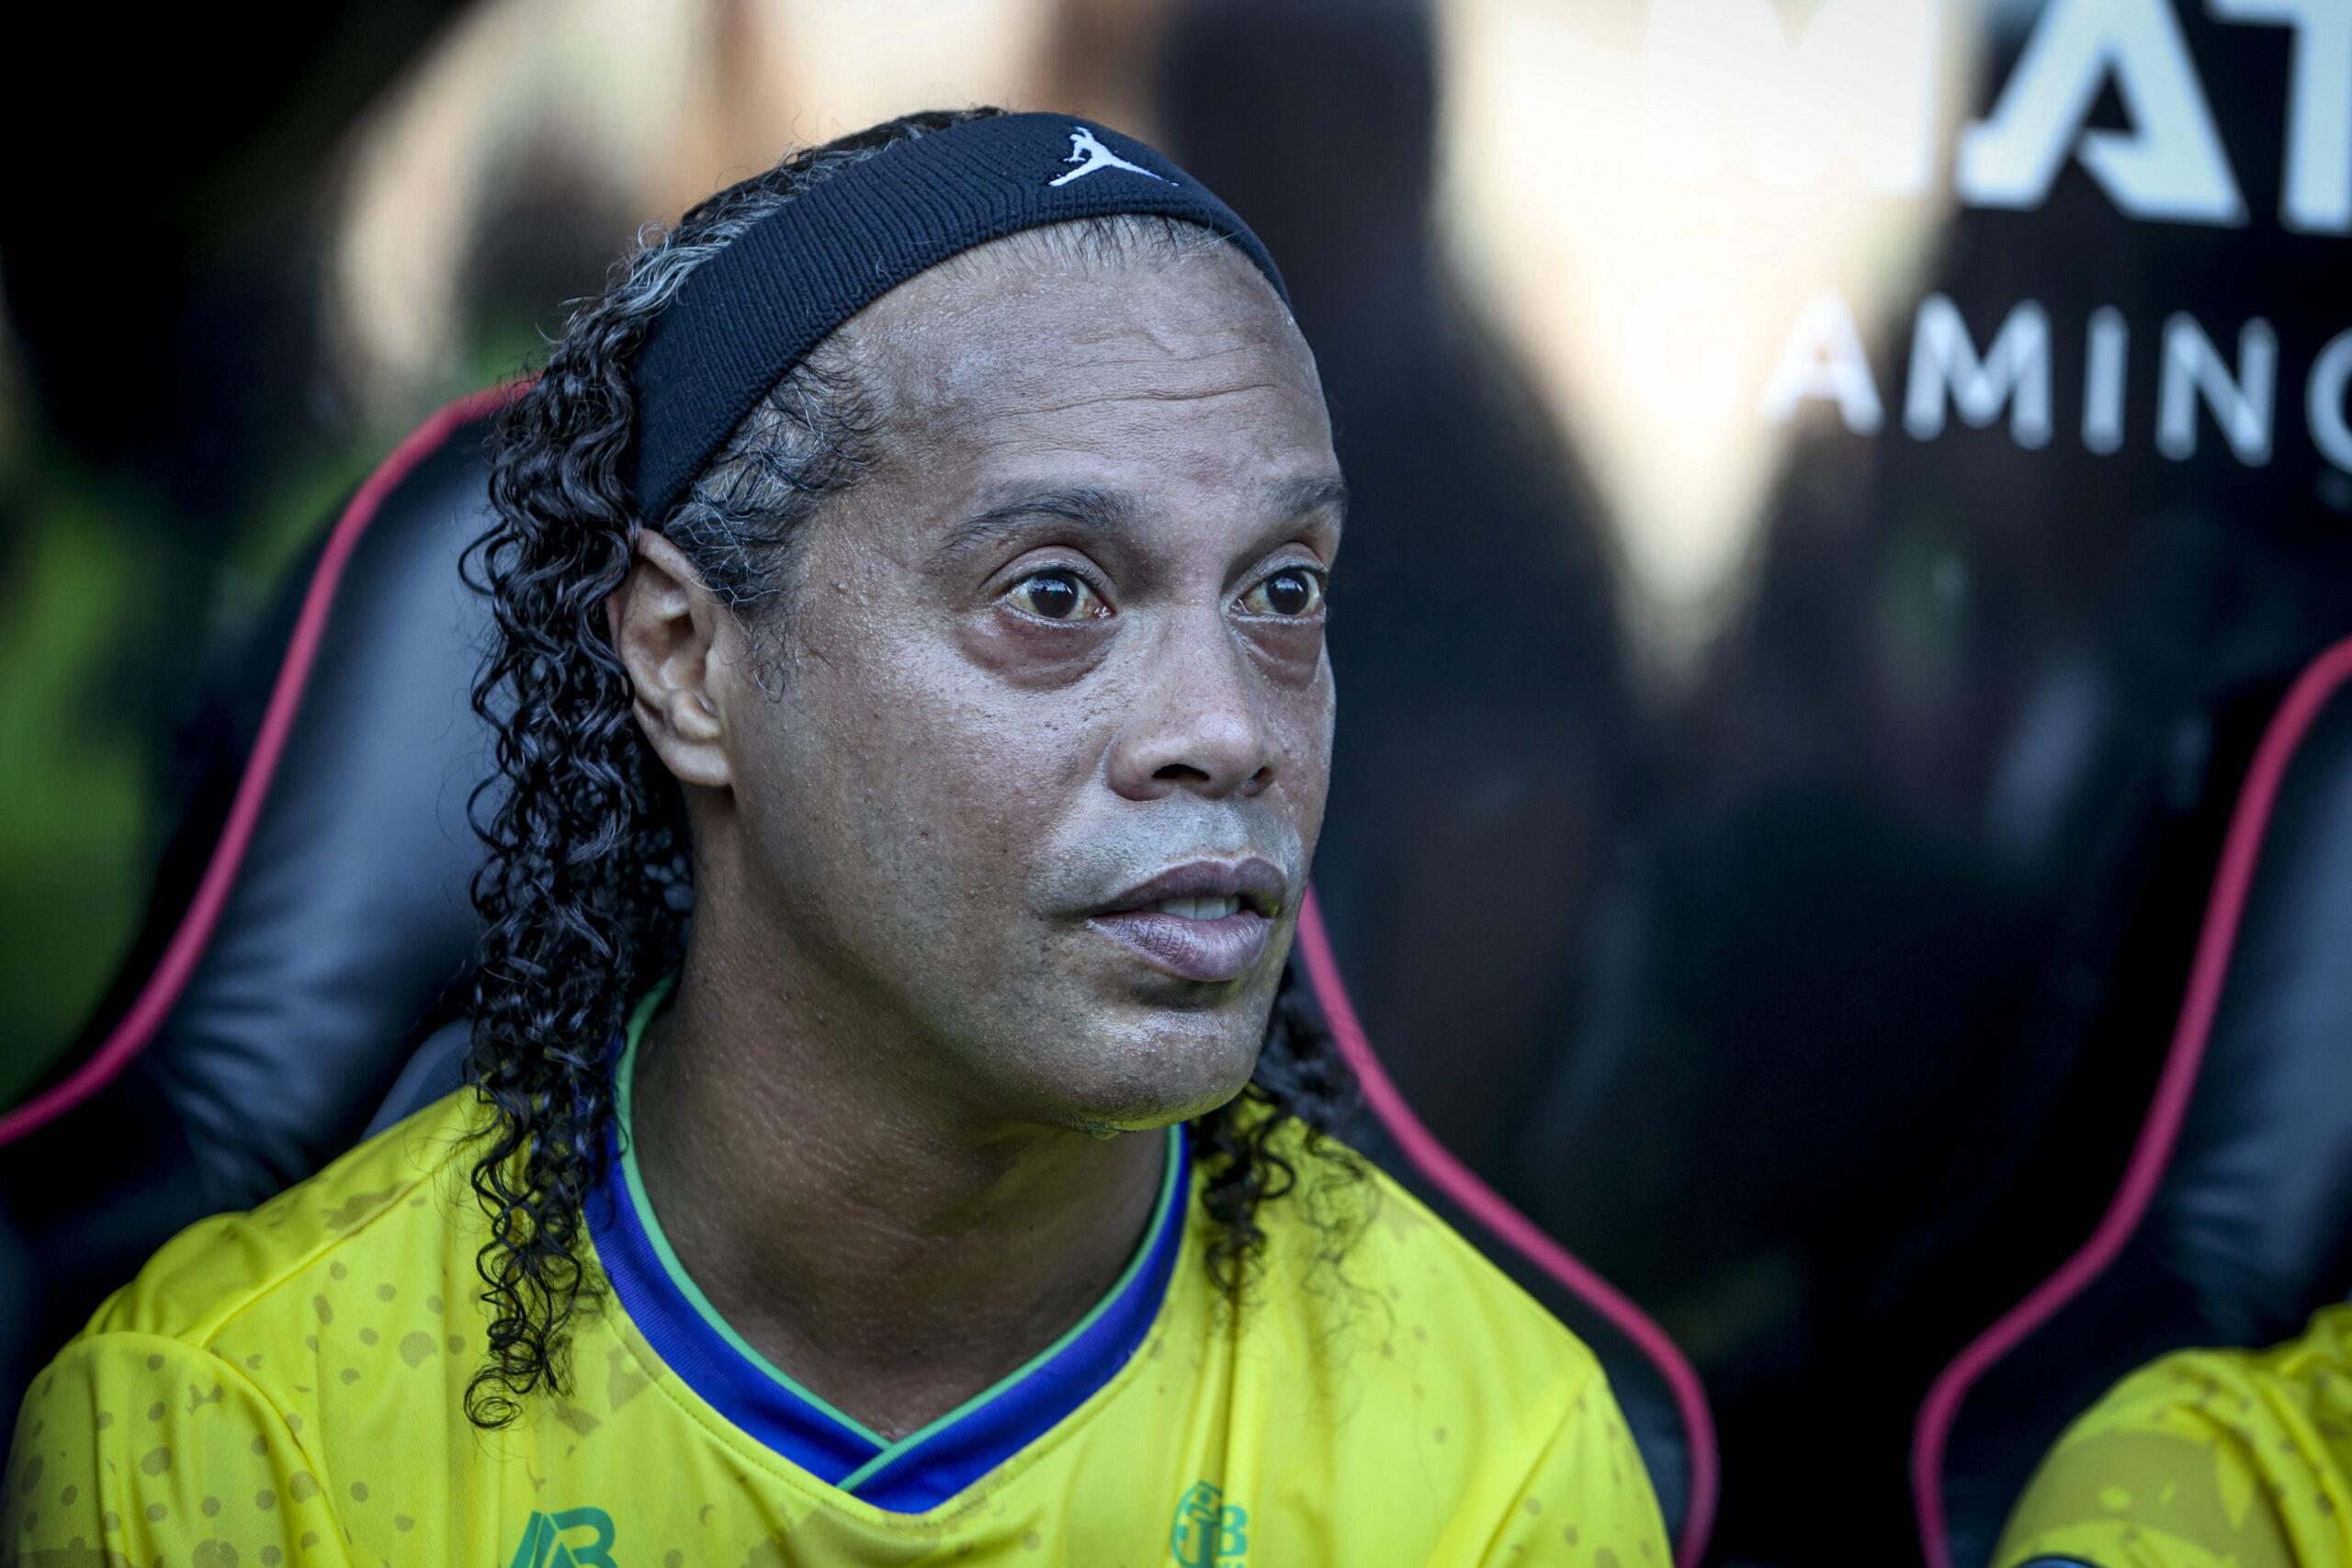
(1198, 908)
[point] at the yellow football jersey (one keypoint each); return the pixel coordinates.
(2207, 1459)
(287, 1388)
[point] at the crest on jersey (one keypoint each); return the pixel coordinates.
(1209, 1531)
(576, 1538)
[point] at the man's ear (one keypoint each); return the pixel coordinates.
(672, 635)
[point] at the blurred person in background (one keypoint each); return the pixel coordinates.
(2204, 1458)
(890, 1103)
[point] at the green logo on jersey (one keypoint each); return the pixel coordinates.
(544, 1545)
(1209, 1531)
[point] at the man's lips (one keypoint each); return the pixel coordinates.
(1207, 920)
(1191, 949)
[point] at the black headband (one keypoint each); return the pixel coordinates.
(748, 315)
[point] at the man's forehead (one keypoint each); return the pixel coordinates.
(1025, 336)
(1105, 382)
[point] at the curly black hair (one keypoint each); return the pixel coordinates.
(588, 889)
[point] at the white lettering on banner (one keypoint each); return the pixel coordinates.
(2316, 195)
(2324, 401)
(1684, 362)
(1678, 371)
(1823, 358)
(1862, 76)
(2241, 402)
(2169, 165)
(2108, 343)
(2015, 370)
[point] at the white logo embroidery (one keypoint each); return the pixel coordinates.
(1091, 156)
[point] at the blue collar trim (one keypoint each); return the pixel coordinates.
(926, 1468)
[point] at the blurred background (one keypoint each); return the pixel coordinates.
(1839, 483)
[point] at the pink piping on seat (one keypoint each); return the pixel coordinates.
(172, 971)
(2249, 820)
(1450, 1176)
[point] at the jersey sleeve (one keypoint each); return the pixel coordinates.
(1587, 1501)
(2204, 1459)
(134, 1448)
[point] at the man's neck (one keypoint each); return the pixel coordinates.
(894, 1256)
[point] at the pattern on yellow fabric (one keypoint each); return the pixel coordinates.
(2207, 1459)
(285, 1389)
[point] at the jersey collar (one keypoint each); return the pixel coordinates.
(924, 1469)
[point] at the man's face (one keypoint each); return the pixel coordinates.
(1046, 757)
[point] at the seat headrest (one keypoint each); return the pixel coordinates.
(334, 909)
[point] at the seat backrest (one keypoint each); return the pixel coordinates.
(274, 1009)
(278, 996)
(2229, 1224)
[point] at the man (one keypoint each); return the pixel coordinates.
(892, 1139)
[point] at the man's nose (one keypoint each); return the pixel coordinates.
(1197, 721)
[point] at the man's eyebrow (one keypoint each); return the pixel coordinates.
(1081, 505)
(1325, 493)
(1107, 510)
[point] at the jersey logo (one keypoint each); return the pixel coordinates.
(544, 1545)
(1209, 1531)
(1092, 158)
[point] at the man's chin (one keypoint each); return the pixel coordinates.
(1109, 1122)
(1169, 1088)
(1115, 1043)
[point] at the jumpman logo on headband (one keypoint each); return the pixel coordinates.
(1092, 157)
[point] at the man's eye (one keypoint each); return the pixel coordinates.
(1292, 592)
(1058, 596)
